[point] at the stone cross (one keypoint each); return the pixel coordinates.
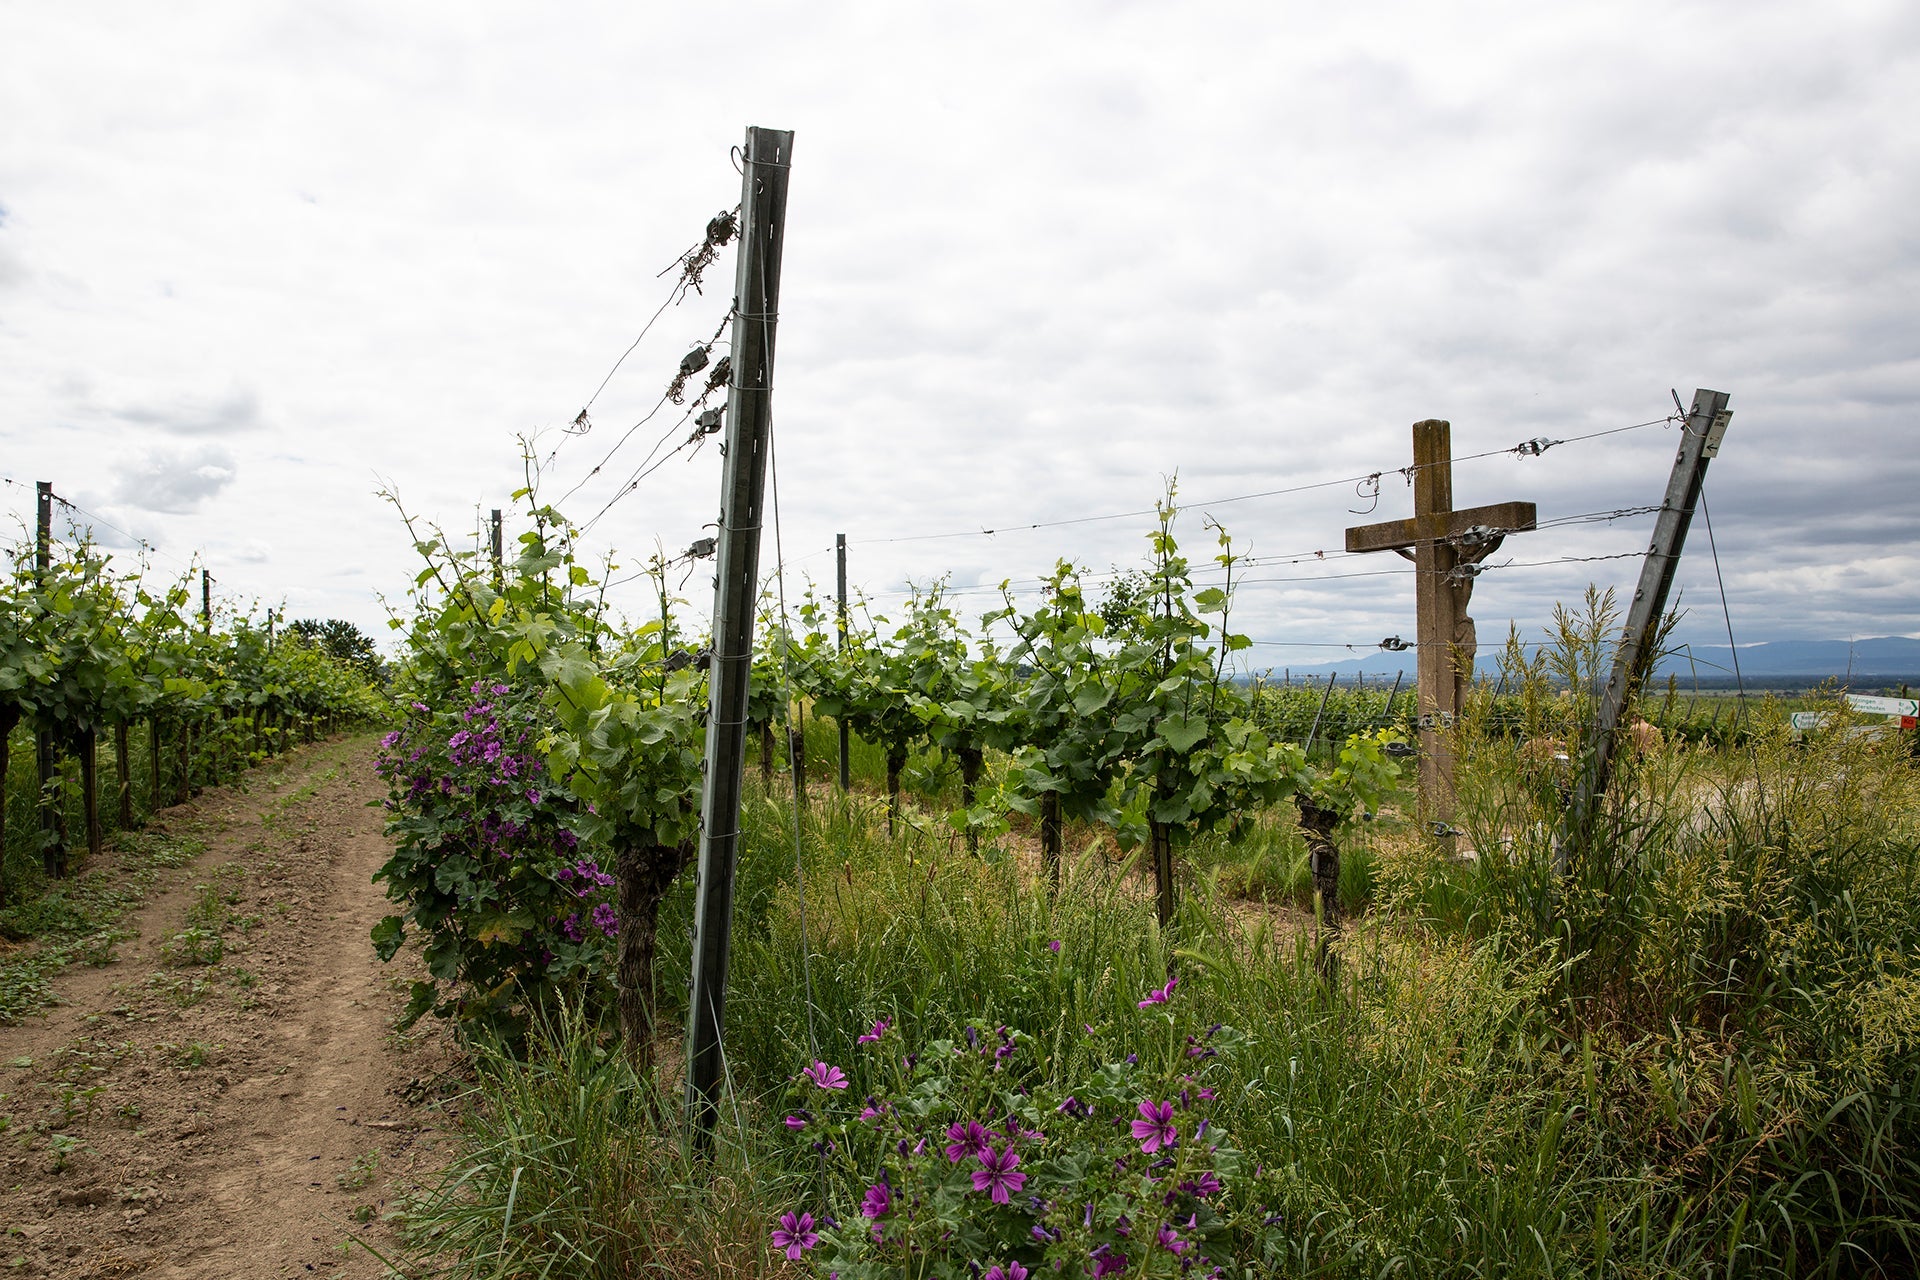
(1446, 547)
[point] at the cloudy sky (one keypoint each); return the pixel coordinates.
(258, 261)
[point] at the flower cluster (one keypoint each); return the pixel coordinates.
(969, 1161)
(488, 858)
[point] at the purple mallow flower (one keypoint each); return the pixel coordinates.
(998, 1174)
(879, 1029)
(1154, 1129)
(826, 1077)
(969, 1139)
(1159, 995)
(879, 1200)
(1012, 1271)
(795, 1234)
(1202, 1187)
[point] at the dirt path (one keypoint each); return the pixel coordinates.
(248, 1115)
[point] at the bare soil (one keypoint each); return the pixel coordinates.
(255, 1116)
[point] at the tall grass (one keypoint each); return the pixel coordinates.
(565, 1169)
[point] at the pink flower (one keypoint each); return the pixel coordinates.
(1203, 1186)
(879, 1200)
(796, 1123)
(795, 1235)
(826, 1077)
(1170, 1240)
(969, 1139)
(1154, 1129)
(1012, 1271)
(879, 1029)
(1054, 947)
(1160, 995)
(997, 1174)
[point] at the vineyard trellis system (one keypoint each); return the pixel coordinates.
(88, 653)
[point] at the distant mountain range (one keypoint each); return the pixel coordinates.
(1883, 660)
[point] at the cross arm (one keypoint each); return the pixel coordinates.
(1392, 535)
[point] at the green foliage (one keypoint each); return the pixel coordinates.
(543, 754)
(343, 642)
(1127, 716)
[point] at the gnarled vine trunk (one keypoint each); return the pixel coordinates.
(1050, 834)
(1160, 840)
(643, 873)
(896, 761)
(972, 759)
(797, 759)
(1318, 825)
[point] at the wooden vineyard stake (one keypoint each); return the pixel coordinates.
(1446, 547)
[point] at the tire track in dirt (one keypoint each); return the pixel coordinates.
(254, 1117)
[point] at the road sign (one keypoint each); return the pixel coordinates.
(1905, 708)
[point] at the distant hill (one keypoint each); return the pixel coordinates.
(1883, 660)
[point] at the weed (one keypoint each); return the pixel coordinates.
(75, 1102)
(193, 945)
(361, 1172)
(63, 1147)
(194, 1054)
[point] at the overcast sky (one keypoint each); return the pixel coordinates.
(258, 260)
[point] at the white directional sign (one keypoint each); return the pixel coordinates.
(1906, 713)
(1905, 707)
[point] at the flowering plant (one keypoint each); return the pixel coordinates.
(971, 1165)
(489, 861)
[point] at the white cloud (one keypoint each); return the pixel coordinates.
(175, 482)
(235, 411)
